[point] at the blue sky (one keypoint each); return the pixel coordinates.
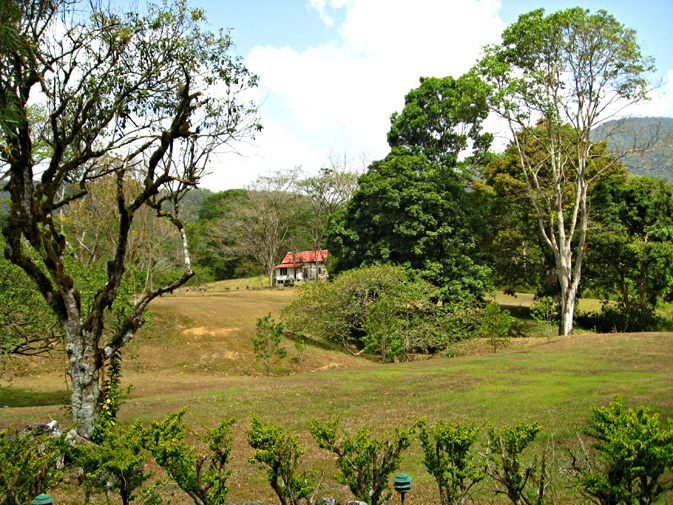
(333, 71)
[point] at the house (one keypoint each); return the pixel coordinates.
(302, 266)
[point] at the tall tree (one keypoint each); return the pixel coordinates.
(570, 67)
(147, 96)
(411, 212)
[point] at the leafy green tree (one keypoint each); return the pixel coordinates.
(266, 343)
(278, 452)
(568, 68)
(496, 325)
(523, 484)
(630, 257)
(441, 117)
(381, 335)
(202, 476)
(632, 454)
(416, 214)
(365, 462)
(130, 96)
(448, 458)
(29, 465)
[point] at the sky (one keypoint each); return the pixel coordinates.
(333, 71)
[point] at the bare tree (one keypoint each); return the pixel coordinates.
(259, 227)
(122, 94)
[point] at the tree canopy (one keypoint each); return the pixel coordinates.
(144, 97)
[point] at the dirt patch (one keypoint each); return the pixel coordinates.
(200, 331)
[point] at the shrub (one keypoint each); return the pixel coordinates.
(631, 453)
(203, 477)
(365, 463)
(28, 465)
(447, 457)
(524, 484)
(365, 304)
(278, 452)
(115, 463)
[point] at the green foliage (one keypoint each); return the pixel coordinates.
(115, 463)
(112, 398)
(632, 456)
(202, 477)
(339, 312)
(266, 342)
(630, 259)
(545, 312)
(496, 325)
(278, 452)
(447, 457)
(524, 484)
(441, 116)
(29, 465)
(416, 214)
(365, 462)
(381, 334)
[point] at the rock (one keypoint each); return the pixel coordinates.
(327, 501)
(252, 503)
(73, 439)
(356, 503)
(53, 429)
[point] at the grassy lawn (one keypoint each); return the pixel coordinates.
(198, 353)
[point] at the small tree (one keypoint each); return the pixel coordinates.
(524, 484)
(203, 477)
(447, 457)
(266, 342)
(631, 454)
(545, 312)
(365, 463)
(496, 325)
(381, 327)
(278, 452)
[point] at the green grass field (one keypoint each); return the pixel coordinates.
(197, 352)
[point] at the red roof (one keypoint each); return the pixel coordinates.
(298, 258)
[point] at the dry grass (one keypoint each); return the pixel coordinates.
(198, 353)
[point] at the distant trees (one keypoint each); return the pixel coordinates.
(568, 68)
(630, 256)
(142, 99)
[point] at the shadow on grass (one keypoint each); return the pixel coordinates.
(14, 397)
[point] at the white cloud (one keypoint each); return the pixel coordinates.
(339, 96)
(661, 100)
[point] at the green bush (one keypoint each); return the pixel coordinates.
(202, 476)
(28, 465)
(365, 462)
(523, 483)
(266, 342)
(381, 304)
(278, 453)
(630, 458)
(447, 457)
(611, 319)
(496, 325)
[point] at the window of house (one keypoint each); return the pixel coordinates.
(283, 271)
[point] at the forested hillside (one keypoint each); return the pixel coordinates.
(650, 137)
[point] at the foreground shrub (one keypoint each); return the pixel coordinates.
(365, 463)
(115, 463)
(203, 477)
(447, 457)
(28, 465)
(278, 452)
(631, 453)
(524, 484)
